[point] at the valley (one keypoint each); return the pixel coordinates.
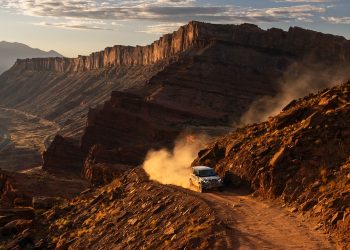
(76, 133)
(24, 138)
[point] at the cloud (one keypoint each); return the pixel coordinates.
(165, 12)
(337, 20)
(72, 25)
(300, 12)
(304, 1)
(162, 28)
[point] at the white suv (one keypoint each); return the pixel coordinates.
(205, 178)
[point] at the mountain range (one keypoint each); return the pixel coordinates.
(10, 52)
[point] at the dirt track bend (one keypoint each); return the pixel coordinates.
(254, 224)
(23, 137)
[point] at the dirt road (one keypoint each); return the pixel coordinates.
(255, 224)
(23, 137)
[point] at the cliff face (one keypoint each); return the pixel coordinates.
(199, 76)
(205, 87)
(118, 135)
(195, 35)
(66, 155)
(167, 46)
(300, 156)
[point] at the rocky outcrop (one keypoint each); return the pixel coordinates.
(103, 165)
(119, 134)
(167, 46)
(297, 42)
(66, 154)
(150, 215)
(19, 189)
(138, 123)
(203, 77)
(300, 157)
(209, 89)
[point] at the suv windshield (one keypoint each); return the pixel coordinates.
(206, 173)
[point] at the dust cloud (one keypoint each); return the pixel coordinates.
(174, 167)
(297, 82)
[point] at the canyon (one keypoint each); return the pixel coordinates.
(92, 120)
(201, 71)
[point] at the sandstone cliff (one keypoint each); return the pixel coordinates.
(200, 76)
(297, 42)
(167, 46)
(202, 89)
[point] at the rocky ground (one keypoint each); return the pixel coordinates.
(19, 189)
(300, 157)
(134, 213)
(130, 213)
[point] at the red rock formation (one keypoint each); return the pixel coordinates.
(222, 70)
(127, 127)
(62, 155)
(300, 156)
(129, 120)
(19, 189)
(167, 46)
(101, 165)
(130, 213)
(200, 76)
(195, 35)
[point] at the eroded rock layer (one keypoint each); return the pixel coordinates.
(209, 68)
(25, 189)
(207, 88)
(296, 42)
(300, 156)
(202, 75)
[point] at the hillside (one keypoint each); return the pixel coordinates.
(300, 157)
(10, 52)
(149, 214)
(296, 163)
(205, 74)
(111, 108)
(133, 212)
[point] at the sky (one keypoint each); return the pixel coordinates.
(77, 27)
